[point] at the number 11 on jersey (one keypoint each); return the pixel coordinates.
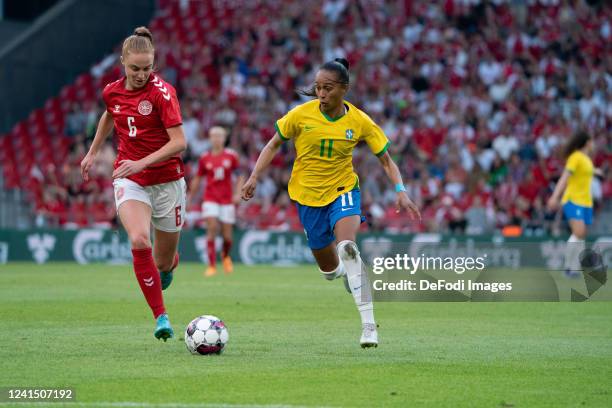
(326, 151)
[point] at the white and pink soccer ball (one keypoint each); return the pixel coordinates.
(206, 335)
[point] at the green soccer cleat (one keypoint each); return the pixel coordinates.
(163, 330)
(166, 277)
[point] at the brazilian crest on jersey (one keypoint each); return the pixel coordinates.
(323, 167)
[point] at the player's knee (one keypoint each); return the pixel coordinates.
(579, 231)
(140, 241)
(331, 273)
(347, 250)
(211, 226)
(327, 267)
(163, 265)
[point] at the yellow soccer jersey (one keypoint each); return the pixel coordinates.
(578, 189)
(323, 167)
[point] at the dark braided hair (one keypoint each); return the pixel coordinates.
(340, 66)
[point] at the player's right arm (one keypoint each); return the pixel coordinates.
(570, 168)
(105, 125)
(554, 200)
(263, 161)
(194, 186)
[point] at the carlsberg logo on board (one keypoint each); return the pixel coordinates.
(93, 245)
(495, 252)
(265, 247)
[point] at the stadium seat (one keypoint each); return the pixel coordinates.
(424, 88)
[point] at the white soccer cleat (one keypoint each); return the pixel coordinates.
(369, 336)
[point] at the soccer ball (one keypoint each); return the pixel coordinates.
(206, 335)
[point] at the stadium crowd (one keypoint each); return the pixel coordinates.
(476, 97)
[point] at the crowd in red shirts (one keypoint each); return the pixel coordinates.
(477, 98)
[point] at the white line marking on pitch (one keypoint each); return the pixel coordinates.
(127, 404)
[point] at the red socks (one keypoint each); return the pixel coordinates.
(212, 256)
(148, 279)
(227, 245)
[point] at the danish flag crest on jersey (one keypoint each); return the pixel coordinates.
(145, 107)
(162, 88)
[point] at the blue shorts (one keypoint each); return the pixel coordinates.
(319, 222)
(578, 212)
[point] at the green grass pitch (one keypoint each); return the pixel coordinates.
(293, 342)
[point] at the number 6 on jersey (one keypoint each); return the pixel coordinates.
(132, 127)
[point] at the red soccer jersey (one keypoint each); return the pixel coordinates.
(218, 170)
(141, 118)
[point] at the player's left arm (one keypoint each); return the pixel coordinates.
(402, 201)
(378, 143)
(174, 146)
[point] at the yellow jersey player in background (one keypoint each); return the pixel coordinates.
(324, 185)
(575, 184)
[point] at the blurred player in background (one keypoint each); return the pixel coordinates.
(148, 177)
(577, 202)
(325, 132)
(219, 199)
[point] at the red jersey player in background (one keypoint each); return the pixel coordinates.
(219, 200)
(148, 177)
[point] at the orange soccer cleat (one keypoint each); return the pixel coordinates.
(228, 266)
(210, 271)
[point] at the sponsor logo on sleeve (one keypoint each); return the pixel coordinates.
(162, 88)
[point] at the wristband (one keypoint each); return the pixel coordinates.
(399, 187)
